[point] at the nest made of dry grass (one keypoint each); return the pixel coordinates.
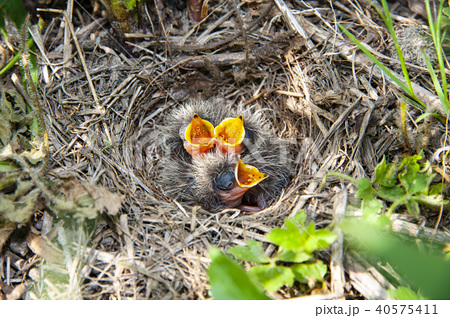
(337, 112)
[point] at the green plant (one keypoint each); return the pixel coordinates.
(406, 184)
(407, 88)
(445, 20)
(294, 260)
(15, 12)
(123, 13)
(229, 280)
(435, 30)
(417, 264)
(404, 293)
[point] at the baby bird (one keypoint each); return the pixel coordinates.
(236, 128)
(217, 178)
(214, 180)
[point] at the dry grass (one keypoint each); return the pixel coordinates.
(337, 111)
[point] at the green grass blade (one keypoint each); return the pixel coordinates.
(15, 59)
(388, 21)
(437, 85)
(378, 63)
(437, 39)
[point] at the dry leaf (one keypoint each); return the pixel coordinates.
(44, 248)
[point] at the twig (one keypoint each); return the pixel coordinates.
(211, 46)
(337, 248)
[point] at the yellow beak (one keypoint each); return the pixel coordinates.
(199, 136)
(230, 134)
(248, 176)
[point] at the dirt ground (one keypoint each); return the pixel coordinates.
(103, 95)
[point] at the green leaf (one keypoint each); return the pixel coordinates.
(413, 207)
(391, 194)
(272, 277)
(8, 166)
(403, 293)
(371, 206)
(425, 269)
(304, 272)
(300, 218)
(388, 21)
(15, 10)
(436, 189)
(320, 240)
(437, 86)
(412, 161)
(446, 11)
(289, 238)
(385, 174)
(293, 256)
(431, 200)
(412, 181)
(364, 188)
(229, 280)
(253, 252)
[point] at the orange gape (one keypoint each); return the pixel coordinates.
(199, 136)
(246, 177)
(230, 134)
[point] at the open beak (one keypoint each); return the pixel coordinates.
(229, 135)
(199, 136)
(246, 177)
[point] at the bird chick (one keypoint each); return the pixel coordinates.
(176, 127)
(212, 178)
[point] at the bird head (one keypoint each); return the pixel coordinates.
(231, 185)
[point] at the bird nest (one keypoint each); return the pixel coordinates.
(105, 94)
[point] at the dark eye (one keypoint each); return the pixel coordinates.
(225, 180)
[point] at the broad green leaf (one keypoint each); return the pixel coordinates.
(391, 194)
(385, 174)
(436, 189)
(370, 205)
(293, 256)
(288, 238)
(446, 11)
(416, 181)
(303, 272)
(403, 293)
(317, 239)
(15, 10)
(229, 280)
(412, 162)
(272, 277)
(322, 238)
(364, 188)
(431, 200)
(412, 181)
(253, 252)
(299, 218)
